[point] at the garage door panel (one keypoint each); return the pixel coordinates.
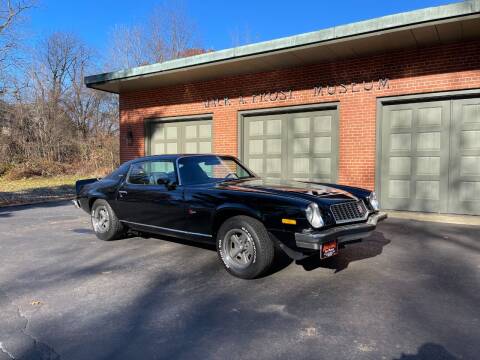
(191, 147)
(428, 165)
(186, 136)
(470, 140)
(428, 141)
(273, 146)
(400, 142)
(171, 148)
(401, 119)
(172, 132)
(190, 132)
(205, 147)
(429, 117)
(427, 190)
(292, 145)
(322, 145)
(400, 165)
(274, 127)
(158, 148)
(470, 114)
(301, 146)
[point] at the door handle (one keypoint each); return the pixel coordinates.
(122, 193)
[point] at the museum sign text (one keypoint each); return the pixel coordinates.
(288, 94)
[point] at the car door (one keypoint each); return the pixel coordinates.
(151, 198)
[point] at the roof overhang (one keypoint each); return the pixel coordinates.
(415, 29)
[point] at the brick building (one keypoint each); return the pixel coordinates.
(391, 104)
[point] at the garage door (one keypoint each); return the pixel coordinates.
(430, 157)
(189, 137)
(301, 146)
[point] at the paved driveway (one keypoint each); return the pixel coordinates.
(410, 291)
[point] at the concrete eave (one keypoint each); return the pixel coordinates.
(424, 27)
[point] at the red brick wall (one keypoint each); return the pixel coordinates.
(441, 68)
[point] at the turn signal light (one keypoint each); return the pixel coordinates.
(289, 221)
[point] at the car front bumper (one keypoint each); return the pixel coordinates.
(314, 240)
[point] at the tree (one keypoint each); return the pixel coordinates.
(64, 116)
(10, 15)
(167, 34)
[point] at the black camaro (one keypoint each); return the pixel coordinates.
(216, 199)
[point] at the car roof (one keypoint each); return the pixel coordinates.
(172, 157)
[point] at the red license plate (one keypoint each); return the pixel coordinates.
(329, 249)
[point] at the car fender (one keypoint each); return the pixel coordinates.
(227, 210)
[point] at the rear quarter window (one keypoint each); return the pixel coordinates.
(116, 174)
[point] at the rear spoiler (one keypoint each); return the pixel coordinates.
(79, 184)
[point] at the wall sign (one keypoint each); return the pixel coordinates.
(271, 96)
(352, 87)
(282, 95)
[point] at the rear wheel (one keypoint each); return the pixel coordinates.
(244, 247)
(104, 221)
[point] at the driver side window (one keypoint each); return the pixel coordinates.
(158, 172)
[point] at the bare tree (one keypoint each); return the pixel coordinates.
(127, 47)
(63, 113)
(10, 15)
(167, 34)
(243, 37)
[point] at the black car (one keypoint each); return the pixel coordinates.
(216, 199)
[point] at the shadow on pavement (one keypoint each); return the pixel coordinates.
(22, 207)
(429, 351)
(368, 248)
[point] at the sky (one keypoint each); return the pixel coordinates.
(218, 22)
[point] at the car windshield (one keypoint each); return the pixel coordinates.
(210, 168)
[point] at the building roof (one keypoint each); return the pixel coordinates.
(414, 29)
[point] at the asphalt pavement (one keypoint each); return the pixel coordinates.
(409, 291)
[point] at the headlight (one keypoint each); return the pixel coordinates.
(313, 215)
(373, 201)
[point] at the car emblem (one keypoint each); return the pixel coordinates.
(360, 208)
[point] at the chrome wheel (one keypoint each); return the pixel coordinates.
(238, 248)
(100, 219)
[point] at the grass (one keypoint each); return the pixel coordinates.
(37, 182)
(37, 189)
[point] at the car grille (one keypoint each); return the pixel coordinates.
(349, 211)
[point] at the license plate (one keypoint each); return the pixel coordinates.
(329, 249)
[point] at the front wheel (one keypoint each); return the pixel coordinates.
(244, 247)
(104, 221)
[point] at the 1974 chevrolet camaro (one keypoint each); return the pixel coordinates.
(216, 199)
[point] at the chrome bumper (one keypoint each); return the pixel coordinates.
(76, 203)
(313, 240)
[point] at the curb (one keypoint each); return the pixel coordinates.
(438, 218)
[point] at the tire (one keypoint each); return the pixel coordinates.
(105, 223)
(244, 247)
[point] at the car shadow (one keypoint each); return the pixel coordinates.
(282, 260)
(429, 351)
(367, 248)
(198, 244)
(83, 231)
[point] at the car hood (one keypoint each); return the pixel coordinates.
(305, 190)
